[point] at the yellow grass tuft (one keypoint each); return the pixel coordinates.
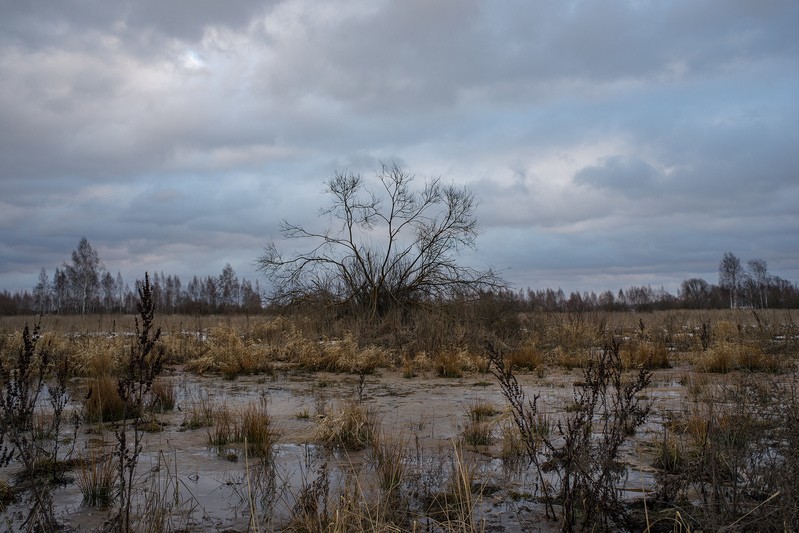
(637, 354)
(227, 353)
(350, 426)
(102, 402)
(725, 356)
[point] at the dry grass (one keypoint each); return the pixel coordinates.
(454, 507)
(250, 424)
(182, 346)
(96, 477)
(97, 355)
(479, 410)
(198, 412)
(670, 453)
(102, 402)
(725, 356)
(513, 448)
(477, 431)
(162, 395)
(570, 359)
(223, 429)
(227, 353)
(350, 426)
(337, 355)
(388, 455)
(646, 354)
(258, 429)
(526, 357)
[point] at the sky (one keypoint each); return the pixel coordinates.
(608, 143)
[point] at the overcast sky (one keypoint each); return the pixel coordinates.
(609, 143)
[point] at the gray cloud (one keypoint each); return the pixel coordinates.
(607, 143)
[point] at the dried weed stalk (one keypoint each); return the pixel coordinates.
(583, 452)
(142, 367)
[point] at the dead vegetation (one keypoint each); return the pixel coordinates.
(724, 460)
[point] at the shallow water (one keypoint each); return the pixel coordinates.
(198, 489)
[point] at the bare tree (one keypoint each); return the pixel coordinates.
(229, 288)
(731, 275)
(60, 290)
(388, 246)
(108, 286)
(695, 293)
(758, 270)
(84, 274)
(41, 293)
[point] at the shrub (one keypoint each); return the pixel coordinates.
(584, 455)
(28, 382)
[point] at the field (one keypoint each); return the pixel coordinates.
(477, 420)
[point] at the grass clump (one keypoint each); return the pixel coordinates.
(250, 424)
(645, 355)
(222, 428)
(258, 429)
(479, 410)
(388, 455)
(182, 346)
(198, 412)
(570, 358)
(227, 353)
(454, 506)
(96, 477)
(477, 431)
(448, 364)
(351, 426)
(512, 449)
(103, 402)
(726, 356)
(526, 357)
(162, 395)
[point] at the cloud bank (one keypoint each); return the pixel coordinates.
(608, 144)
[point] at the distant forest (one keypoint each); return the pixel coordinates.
(84, 286)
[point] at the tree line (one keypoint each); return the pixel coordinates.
(738, 287)
(390, 245)
(83, 285)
